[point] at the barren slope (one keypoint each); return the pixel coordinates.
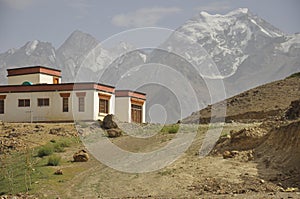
(264, 102)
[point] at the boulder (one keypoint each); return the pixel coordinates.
(81, 156)
(230, 154)
(293, 111)
(227, 155)
(109, 122)
(112, 133)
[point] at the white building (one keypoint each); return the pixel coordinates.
(130, 106)
(36, 94)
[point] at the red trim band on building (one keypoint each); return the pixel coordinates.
(33, 70)
(129, 93)
(56, 87)
(65, 94)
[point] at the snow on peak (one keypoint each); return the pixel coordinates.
(226, 37)
(31, 46)
(11, 51)
(238, 11)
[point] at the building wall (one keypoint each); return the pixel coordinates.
(88, 113)
(37, 78)
(123, 109)
(48, 79)
(144, 113)
(53, 112)
(18, 80)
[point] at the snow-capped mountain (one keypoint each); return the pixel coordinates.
(247, 51)
(230, 39)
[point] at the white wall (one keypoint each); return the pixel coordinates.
(48, 79)
(144, 113)
(53, 112)
(89, 112)
(123, 109)
(37, 78)
(18, 80)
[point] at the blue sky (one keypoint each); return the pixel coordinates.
(55, 20)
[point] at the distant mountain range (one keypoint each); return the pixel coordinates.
(247, 50)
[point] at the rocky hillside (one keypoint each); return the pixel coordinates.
(269, 101)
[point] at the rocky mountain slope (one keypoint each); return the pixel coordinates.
(269, 101)
(247, 50)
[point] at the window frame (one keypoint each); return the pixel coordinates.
(136, 113)
(106, 105)
(2, 106)
(55, 80)
(23, 102)
(43, 102)
(81, 104)
(65, 104)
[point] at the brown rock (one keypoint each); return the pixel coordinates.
(230, 154)
(227, 154)
(81, 156)
(58, 172)
(112, 133)
(109, 122)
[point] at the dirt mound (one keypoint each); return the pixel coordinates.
(241, 140)
(281, 150)
(273, 145)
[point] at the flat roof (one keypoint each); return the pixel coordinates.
(33, 70)
(56, 87)
(131, 93)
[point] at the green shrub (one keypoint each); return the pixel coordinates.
(172, 129)
(64, 143)
(58, 148)
(45, 150)
(54, 160)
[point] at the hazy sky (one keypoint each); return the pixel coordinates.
(55, 20)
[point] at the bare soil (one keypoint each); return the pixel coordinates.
(188, 177)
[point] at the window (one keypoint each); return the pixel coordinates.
(55, 80)
(136, 113)
(1, 106)
(43, 102)
(24, 103)
(103, 105)
(65, 104)
(81, 104)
